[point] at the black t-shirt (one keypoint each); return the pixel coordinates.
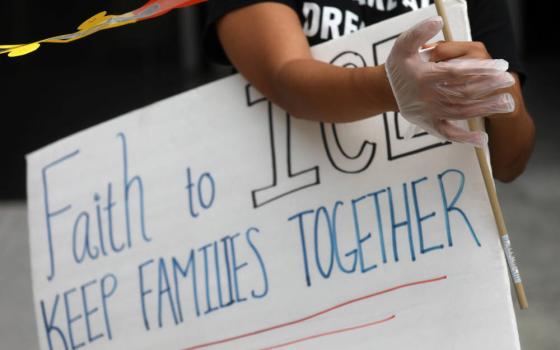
(323, 20)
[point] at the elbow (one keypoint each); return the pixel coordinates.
(313, 114)
(289, 88)
(299, 108)
(510, 168)
(299, 111)
(281, 94)
(510, 172)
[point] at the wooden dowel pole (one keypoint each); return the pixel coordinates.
(490, 188)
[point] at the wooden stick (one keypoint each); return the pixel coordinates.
(491, 188)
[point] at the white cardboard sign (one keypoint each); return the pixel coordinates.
(213, 220)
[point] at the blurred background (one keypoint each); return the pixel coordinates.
(116, 71)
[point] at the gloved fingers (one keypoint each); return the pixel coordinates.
(412, 130)
(465, 109)
(457, 69)
(477, 86)
(455, 133)
(410, 41)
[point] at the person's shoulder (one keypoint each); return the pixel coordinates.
(216, 9)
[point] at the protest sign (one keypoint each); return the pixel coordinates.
(214, 220)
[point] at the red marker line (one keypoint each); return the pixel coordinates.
(314, 315)
(336, 331)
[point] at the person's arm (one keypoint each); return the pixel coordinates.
(266, 43)
(511, 136)
(511, 139)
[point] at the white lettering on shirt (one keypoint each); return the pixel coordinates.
(411, 4)
(330, 22)
(377, 3)
(382, 5)
(332, 18)
(312, 14)
(351, 22)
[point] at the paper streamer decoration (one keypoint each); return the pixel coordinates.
(102, 21)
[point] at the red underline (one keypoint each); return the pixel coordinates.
(314, 315)
(336, 331)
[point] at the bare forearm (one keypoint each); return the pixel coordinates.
(511, 139)
(319, 91)
(285, 72)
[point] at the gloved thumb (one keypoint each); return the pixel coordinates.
(411, 40)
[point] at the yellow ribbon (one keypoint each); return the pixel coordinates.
(101, 21)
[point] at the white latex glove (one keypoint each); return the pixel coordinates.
(432, 95)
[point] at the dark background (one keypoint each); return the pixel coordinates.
(62, 89)
(119, 70)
